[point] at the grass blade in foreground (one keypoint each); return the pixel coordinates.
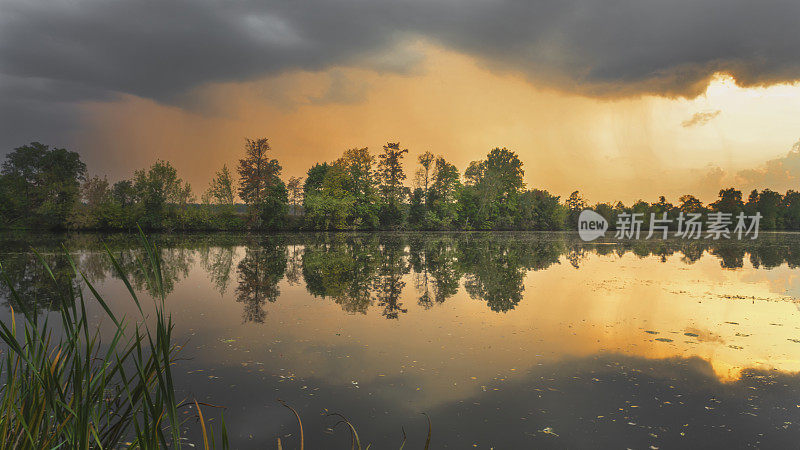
(62, 389)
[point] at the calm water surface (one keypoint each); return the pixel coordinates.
(506, 340)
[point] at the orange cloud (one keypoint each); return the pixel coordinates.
(452, 105)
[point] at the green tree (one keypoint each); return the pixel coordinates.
(124, 213)
(493, 187)
(218, 210)
(357, 167)
(95, 209)
(220, 191)
(347, 196)
(316, 216)
(790, 210)
(332, 205)
(40, 185)
(315, 177)
(539, 210)
(295, 188)
(575, 203)
(8, 202)
(417, 211)
(642, 208)
(663, 206)
(768, 203)
(426, 162)
(607, 210)
(124, 193)
(260, 186)
(474, 173)
(391, 177)
(442, 195)
(730, 201)
(161, 194)
(690, 204)
(504, 169)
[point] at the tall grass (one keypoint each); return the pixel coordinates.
(63, 389)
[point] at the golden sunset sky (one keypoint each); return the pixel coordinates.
(619, 110)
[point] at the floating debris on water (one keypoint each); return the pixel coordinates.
(549, 430)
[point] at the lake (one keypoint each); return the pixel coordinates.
(505, 340)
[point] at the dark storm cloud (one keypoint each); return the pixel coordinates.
(161, 49)
(40, 109)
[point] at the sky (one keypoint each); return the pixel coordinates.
(619, 99)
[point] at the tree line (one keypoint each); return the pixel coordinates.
(48, 188)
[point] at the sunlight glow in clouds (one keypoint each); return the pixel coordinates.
(592, 94)
(610, 149)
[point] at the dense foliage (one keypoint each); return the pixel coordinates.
(39, 186)
(48, 188)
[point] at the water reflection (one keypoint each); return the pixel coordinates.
(342, 268)
(616, 401)
(359, 271)
(498, 336)
(218, 264)
(258, 274)
(30, 279)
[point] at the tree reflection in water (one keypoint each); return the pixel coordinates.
(356, 271)
(218, 264)
(342, 267)
(389, 284)
(259, 272)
